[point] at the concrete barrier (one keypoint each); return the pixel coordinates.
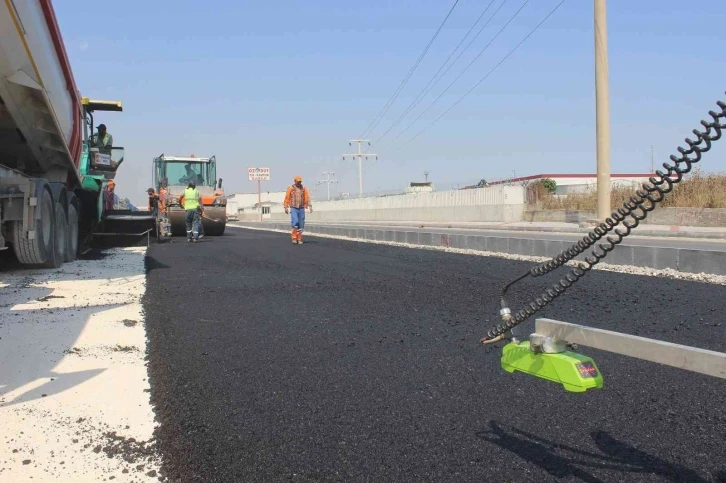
(711, 217)
(483, 213)
(714, 217)
(680, 259)
(496, 204)
(503, 204)
(559, 216)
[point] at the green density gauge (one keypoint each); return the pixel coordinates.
(576, 372)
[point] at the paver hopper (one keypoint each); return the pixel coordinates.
(177, 172)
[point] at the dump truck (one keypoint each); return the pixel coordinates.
(51, 178)
(176, 172)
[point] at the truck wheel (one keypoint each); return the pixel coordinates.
(59, 240)
(40, 249)
(71, 251)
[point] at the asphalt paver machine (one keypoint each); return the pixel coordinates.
(119, 226)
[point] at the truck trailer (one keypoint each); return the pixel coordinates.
(51, 178)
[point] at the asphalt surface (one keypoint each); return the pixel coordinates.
(345, 361)
(630, 240)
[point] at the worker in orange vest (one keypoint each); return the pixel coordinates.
(297, 198)
(109, 196)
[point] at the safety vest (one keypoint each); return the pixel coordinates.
(101, 143)
(191, 199)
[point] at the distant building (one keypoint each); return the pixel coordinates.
(574, 183)
(250, 200)
(244, 205)
(422, 187)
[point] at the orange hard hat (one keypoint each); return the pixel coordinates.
(298, 178)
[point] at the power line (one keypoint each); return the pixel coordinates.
(393, 98)
(460, 73)
(423, 94)
(486, 76)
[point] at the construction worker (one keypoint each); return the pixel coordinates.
(163, 192)
(192, 205)
(153, 204)
(102, 139)
(297, 198)
(191, 175)
(163, 220)
(109, 197)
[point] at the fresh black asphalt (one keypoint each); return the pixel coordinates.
(345, 361)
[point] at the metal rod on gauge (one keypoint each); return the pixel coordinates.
(681, 356)
(602, 111)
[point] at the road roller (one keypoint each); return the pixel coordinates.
(175, 172)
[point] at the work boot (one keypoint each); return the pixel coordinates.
(294, 241)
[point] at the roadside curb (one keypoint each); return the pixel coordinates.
(643, 231)
(658, 258)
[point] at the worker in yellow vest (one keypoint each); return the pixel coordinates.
(192, 205)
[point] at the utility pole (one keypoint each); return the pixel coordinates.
(652, 166)
(360, 155)
(328, 181)
(602, 110)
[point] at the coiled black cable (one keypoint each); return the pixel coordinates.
(643, 202)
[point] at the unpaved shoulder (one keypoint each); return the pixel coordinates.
(74, 395)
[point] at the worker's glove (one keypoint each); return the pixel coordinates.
(311, 209)
(287, 212)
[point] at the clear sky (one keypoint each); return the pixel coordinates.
(285, 84)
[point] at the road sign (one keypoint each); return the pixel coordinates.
(259, 174)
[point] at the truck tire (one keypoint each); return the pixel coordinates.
(60, 232)
(71, 251)
(40, 249)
